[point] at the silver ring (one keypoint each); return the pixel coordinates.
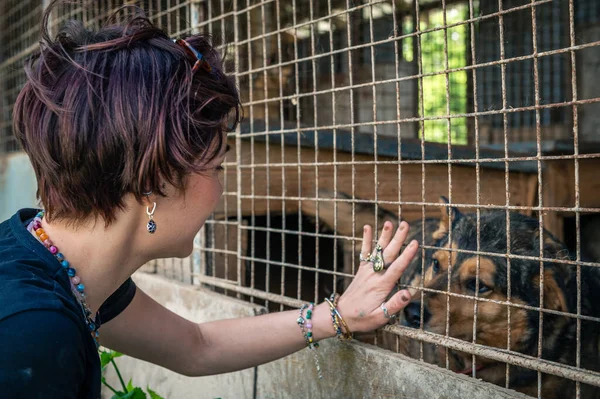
(385, 312)
(364, 258)
(375, 259)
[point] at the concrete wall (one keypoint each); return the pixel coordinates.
(17, 184)
(351, 370)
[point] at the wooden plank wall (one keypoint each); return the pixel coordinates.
(284, 180)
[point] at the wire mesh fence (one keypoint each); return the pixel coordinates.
(359, 112)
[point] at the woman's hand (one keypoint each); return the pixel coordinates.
(218, 347)
(360, 306)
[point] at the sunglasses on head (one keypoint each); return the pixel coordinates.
(200, 61)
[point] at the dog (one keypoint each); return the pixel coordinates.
(487, 277)
(429, 269)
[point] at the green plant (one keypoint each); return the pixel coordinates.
(444, 93)
(129, 391)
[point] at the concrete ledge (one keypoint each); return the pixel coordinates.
(357, 370)
(350, 370)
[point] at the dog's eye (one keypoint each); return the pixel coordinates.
(436, 266)
(472, 286)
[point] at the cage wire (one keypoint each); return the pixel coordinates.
(359, 112)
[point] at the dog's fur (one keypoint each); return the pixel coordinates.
(422, 231)
(459, 271)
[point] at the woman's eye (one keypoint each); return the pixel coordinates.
(436, 266)
(472, 286)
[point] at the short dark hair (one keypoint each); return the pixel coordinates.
(116, 111)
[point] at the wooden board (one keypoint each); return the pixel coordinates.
(559, 190)
(283, 180)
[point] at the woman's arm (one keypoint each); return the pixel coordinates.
(148, 331)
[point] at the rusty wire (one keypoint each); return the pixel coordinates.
(293, 109)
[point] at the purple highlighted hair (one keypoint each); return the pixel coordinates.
(118, 111)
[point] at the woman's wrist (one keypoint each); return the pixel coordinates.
(321, 321)
(346, 313)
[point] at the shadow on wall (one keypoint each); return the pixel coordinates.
(291, 248)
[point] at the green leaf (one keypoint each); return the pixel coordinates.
(129, 386)
(107, 356)
(153, 395)
(119, 395)
(136, 393)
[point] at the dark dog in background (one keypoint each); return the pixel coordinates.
(488, 278)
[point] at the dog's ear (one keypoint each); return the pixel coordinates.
(554, 249)
(554, 296)
(449, 216)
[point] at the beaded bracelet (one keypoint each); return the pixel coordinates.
(308, 325)
(306, 328)
(339, 324)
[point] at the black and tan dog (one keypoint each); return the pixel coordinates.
(488, 278)
(436, 268)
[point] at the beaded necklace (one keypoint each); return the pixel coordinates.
(77, 287)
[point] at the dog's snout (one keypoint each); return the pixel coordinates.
(412, 314)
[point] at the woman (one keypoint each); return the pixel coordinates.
(125, 129)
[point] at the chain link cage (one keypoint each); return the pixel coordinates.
(476, 121)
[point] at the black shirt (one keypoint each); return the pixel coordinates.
(46, 350)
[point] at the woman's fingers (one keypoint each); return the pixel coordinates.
(401, 263)
(391, 245)
(366, 242)
(396, 303)
(368, 290)
(386, 234)
(391, 251)
(383, 241)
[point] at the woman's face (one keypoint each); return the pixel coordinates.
(180, 215)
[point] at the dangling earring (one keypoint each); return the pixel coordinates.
(151, 226)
